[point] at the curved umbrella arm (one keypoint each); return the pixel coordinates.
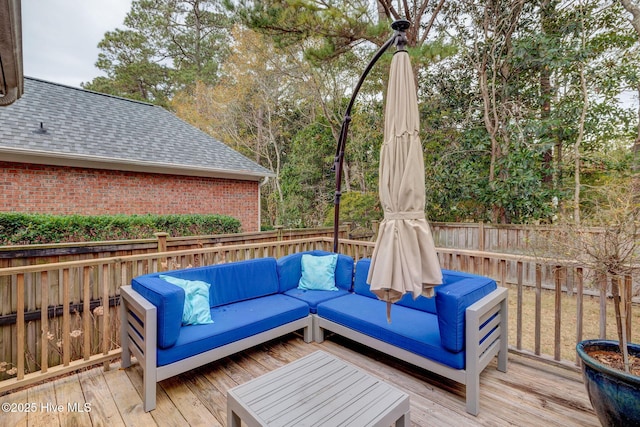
(399, 37)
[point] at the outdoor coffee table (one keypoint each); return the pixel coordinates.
(317, 390)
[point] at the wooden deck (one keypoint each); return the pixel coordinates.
(531, 393)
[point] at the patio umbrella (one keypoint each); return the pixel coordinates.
(404, 259)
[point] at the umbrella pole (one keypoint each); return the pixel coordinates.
(400, 27)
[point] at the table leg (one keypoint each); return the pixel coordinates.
(404, 420)
(233, 420)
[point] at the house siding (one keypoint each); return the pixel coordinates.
(68, 190)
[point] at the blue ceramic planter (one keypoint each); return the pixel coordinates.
(614, 395)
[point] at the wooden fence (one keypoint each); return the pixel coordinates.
(63, 316)
(16, 256)
(503, 238)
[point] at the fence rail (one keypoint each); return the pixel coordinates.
(62, 316)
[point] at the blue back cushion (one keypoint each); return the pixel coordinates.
(452, 301)
(361, 287)
(235, 281)
(290, 270)
(429, 304)
(169, 302)
(232, 282)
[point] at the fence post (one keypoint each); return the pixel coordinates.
(628, 285)
(375, 227)
(579, 307)
(481, 236)
(278, 229)
(162, 247)
(162, 241)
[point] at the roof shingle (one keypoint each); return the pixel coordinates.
(85, 125)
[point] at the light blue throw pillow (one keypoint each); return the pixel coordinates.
(318, 272)
(196, 300)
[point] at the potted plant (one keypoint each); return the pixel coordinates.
(608, 245)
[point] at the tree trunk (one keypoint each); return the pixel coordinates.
(547, 10)
(494, 70)
(583, 118)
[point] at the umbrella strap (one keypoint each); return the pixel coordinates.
(404, 215)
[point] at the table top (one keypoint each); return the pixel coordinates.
(318, 389)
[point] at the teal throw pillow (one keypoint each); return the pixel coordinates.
(318, 272)
(196, 300)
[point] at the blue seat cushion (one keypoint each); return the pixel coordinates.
(290, 270)
(234, 322)
(313, 298)
(412, 330)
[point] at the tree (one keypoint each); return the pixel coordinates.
(512, 94)
(513, 98)
(257, 107)
(168, 46)
(338, 25)
(335, 35)
(306, 177)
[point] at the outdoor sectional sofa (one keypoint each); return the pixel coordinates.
(254, 301)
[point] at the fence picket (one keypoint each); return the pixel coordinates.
(44, 321)
(20, 324)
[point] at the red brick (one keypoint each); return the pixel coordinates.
(85, 191)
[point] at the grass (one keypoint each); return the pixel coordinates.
(568, 315)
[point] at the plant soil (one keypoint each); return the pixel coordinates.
(614, 360)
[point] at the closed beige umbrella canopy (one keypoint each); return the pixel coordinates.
(404, 259)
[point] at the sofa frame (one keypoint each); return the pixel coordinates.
(486, 335)
(139, 338)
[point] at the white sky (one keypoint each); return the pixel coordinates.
(60, 37)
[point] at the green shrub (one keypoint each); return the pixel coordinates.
(358, 208)
(24, 229)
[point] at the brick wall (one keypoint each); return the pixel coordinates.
(67, 190)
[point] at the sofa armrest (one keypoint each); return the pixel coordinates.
(487, 331)
(138, 336)
(488, 321)
(138, 329)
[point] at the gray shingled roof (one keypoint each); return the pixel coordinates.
(97, 129)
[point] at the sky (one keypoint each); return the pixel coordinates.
(60, 37)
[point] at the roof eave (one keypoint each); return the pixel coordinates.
(95, 162)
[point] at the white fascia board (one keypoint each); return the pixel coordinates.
(96, 162)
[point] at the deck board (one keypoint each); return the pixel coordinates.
(69, 393)
(43, 396)
(165, 413)
(126, 398)
(104, 411)
(531, 393)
